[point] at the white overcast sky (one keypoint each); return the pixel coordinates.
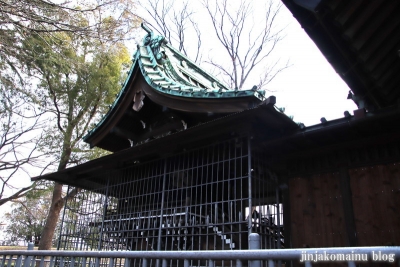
(310, 88)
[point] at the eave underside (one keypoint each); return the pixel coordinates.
(349, 141)
(158, 114)
(361, 39)
(264, 118)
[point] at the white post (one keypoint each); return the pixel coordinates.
(254, 243)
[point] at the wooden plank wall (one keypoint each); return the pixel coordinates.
(316, 211)
(376, 203)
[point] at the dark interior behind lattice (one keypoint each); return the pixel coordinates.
(196, 200)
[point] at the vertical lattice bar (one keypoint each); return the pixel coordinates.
(52, 261)
(278, 219)
(62, 220)
(195, 200)
(162, 206)
(127, 262)
(249, 169)
(104, 216)
(3, 261)
(28, 261)
(18, 262)
(10, 260)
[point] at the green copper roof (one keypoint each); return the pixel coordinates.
(170, 72)
(168, 80)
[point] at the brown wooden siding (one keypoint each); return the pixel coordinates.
(376, 202)
(317, 217)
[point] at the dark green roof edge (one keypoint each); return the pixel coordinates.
(116, 101)
(183, 90)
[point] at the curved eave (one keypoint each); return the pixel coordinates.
(116, 111)
(196, 102)
(185, 88)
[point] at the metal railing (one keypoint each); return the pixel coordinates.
(253, 257)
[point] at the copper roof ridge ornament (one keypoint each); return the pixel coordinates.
(154, 42)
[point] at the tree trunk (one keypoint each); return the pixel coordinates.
(57, 203)
(52, 218)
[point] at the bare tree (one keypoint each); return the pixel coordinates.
(240, 39)
(247, 41)
(19, 126)
(176, 24)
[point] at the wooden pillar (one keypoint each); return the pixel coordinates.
(348, 211)
(286, 216)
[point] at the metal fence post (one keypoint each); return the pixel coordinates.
(254, 243)
(28, 260)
